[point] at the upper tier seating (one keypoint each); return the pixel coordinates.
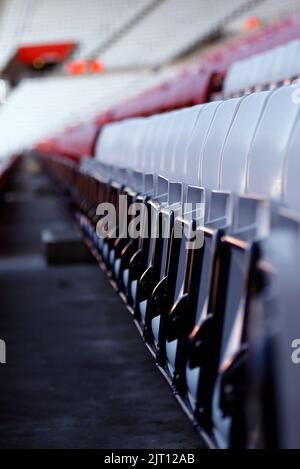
(40, 21)
(265, 10)
(267, 68)
(42, 107)
(142, 44)
(192, 86)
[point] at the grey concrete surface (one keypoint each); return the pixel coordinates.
(77, 374)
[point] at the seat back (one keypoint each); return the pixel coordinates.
(234, 161)
(215, 141)
(184, 129)
(196, 143)
(270, 144)
(266, 68)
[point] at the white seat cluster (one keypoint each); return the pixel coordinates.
(280, 63)
(241, 145)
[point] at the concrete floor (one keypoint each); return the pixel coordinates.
(77, 374)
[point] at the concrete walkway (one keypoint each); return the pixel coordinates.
(77, 374)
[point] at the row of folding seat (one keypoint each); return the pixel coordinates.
(201, 145)
(277, 64)
(192, 305)
(238, 125)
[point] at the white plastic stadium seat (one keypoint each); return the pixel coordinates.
(274, 65)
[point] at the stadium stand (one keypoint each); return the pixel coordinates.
(211, 156)
(40, 21)
(193, 85)
(196, 84)
(60, 102)
(161, 26)
(192, 307)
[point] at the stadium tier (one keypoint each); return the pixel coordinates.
(182, 180)
(129, 34)
(63, 101)
(194, 85)
(161, 26)
(39, 21)
(192, 305)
